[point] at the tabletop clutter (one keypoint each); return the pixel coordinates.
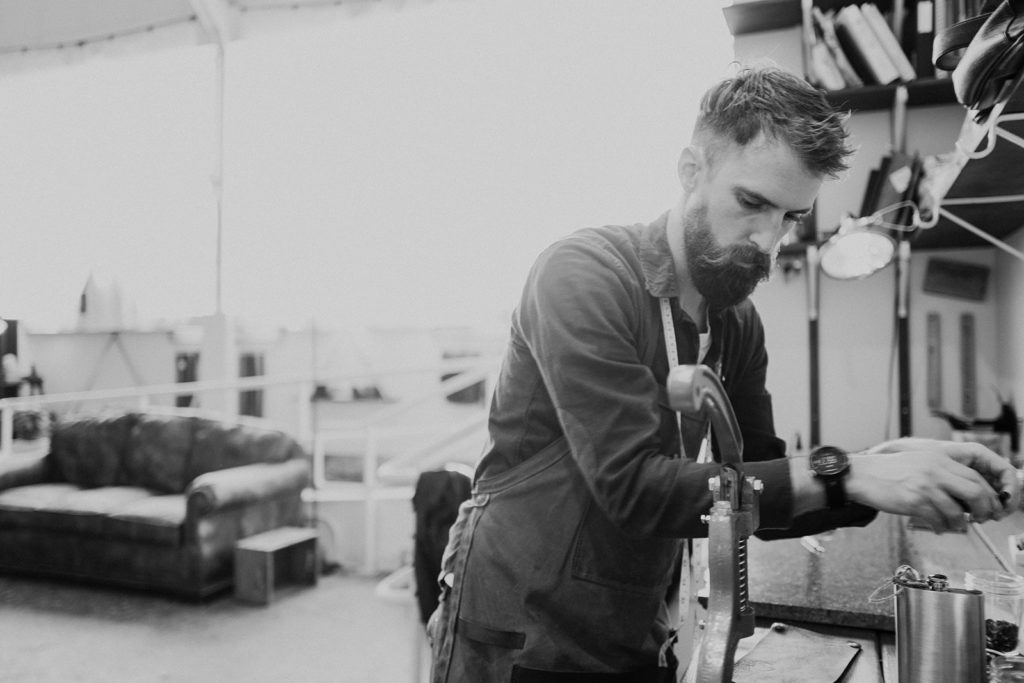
(969, 633)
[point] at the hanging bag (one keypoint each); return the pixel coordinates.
(985, 54)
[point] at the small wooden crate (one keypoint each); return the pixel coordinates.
(274, 558)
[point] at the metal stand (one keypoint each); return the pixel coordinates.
(696, 390)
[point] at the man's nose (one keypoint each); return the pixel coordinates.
(767, 234)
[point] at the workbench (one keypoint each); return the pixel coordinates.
(829, 592)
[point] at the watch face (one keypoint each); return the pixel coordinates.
(829, 461)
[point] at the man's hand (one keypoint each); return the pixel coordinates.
(938, 481)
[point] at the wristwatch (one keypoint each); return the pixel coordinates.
(831, 465)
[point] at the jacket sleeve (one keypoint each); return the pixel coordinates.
(745, 363)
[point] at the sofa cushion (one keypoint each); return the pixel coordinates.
(218, 446)
(64, 507)
(156, 519)
(83, 510)
(159, 453)
(20, 506)
(89, 451)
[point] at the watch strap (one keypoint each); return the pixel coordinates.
(835, 491)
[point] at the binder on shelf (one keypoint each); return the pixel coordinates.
(888, 41)
(898, 175)
(905, 216)
(924, 38)
(862, 47)
(825, 27)
(870, 200)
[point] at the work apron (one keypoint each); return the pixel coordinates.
(586, 604)
(593, 603)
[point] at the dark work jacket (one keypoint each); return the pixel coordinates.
(584, 491)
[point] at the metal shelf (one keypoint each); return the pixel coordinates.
(920, 93)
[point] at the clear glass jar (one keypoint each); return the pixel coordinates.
(1004, 606)
(1007, 669)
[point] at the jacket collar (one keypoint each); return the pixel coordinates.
(660, 270)
(656, 260)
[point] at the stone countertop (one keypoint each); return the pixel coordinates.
(789, 582)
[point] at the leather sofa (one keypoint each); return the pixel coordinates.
(147, 501)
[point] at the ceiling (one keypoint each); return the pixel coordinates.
(35, 27)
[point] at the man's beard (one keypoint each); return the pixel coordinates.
(724, 276)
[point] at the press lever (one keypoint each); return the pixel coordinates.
(696, 391)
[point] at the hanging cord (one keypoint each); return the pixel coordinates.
(904, 576)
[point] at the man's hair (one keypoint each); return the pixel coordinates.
(784, 107)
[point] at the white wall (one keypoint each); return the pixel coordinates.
(100, 360)
(398, 166)
(1009, 292)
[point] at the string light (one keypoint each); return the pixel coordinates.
(82, 42)
(242, 6)
(239, 5)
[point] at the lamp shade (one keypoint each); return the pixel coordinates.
(856, 252)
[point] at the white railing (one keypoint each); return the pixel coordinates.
(391, 480)
(380, 480)
(141, 399)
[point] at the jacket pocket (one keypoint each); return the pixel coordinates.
(603, 554)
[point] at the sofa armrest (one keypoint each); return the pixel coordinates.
(245, 484)
(24, 469)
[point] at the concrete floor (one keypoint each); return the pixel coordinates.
(340, 631)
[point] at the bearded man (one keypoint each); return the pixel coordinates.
(559, 566)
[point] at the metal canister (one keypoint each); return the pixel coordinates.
(940, 631)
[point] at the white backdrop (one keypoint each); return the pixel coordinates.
(400, 167)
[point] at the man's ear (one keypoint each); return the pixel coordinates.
(689, 167)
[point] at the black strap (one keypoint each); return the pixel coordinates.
(510, 640)
(951, 42)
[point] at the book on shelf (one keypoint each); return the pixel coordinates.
(863, 48)
(924, 37)
(940, 22)
(807, 39)
(820, 66)
(887, 39)
(898, 17)
(825, 27)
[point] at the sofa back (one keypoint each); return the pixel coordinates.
(158, 452)
(217, 446)
(89, 451)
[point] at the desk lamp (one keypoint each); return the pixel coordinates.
(862, 246)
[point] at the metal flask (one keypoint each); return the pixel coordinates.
(940, 631)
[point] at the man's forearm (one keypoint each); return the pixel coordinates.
(808, 492)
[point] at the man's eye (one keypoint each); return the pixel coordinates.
(795, 217)
(751, 204)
